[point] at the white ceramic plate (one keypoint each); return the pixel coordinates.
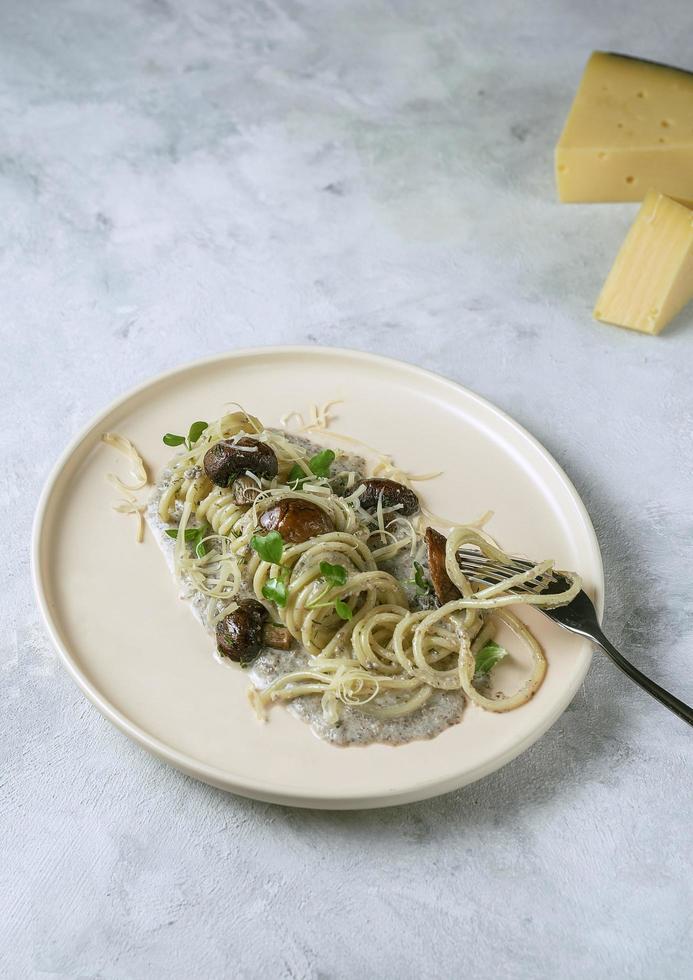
(141, 657)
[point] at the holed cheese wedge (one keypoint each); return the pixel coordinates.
(652, 277)
(630, 128)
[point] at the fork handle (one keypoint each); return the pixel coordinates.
(664, 697)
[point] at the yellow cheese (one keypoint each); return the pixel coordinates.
(630, 128)
(652, 277)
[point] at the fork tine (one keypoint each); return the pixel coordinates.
(524, 589)
(499, 572)
(479, 559)
(485, 571)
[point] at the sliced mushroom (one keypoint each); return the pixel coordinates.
(296, 520)
(241, 634)
(443, 586)
(245, 489)
(392, 493)
(227, 459)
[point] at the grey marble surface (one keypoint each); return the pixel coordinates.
(181, 178)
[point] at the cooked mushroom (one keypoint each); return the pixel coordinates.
(245, 489)
(277, 637)
(391, 492)
(227, 459)
(241, 634)
(443, 586)
(296, 520)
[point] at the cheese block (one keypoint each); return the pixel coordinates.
(652, 277)
(630, 128)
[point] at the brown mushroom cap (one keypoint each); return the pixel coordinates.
(226, 460)
(391, 492)
(443, 586)
(239, 635)
(296, 520)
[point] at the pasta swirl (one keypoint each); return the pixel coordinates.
(368, 644)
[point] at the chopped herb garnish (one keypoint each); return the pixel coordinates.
(488, 657)
(194, 433)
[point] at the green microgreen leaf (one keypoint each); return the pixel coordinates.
(333, 574)
(296, 476)
(320, 464)
(317, 601)
(342, 610)
(488, 657)
(270, 547)
(420, 581)
(195, 431)
(423, 586)
(194, 536)
(275, 591)
(190, 533)
(172, 440)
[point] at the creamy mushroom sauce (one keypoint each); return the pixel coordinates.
(355, 727)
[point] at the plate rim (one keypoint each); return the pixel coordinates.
(274, 792)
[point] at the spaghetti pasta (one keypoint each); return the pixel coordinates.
(367, 642)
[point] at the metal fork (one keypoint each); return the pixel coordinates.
(578, 616)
